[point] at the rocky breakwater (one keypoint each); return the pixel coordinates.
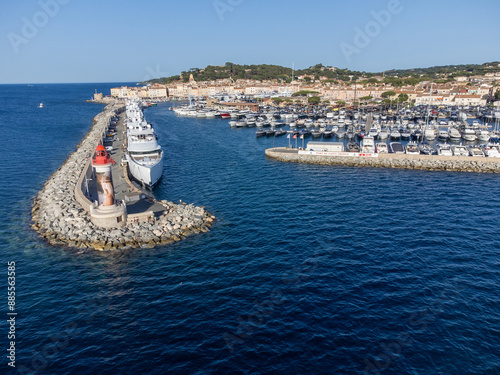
(62, 220)
(423, 162)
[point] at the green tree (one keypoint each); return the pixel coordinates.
(497, 95)
(313, 100)
(304, 93)
(403, 98)
(277, 100)
(307, 79)
(388, 94)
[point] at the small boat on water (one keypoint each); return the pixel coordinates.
(417, 134)
(373, 132)
(491, 151)
(270, 132)
(476, 151)
(426, 148)
(469, 135)
(483, 135)
(279, 133)
(40, 105)
(444, 149)
(352, 146)
(260, 133)
(395, 134)
(316, 133)
(328, 133)
(412, 149)
(429, 133)
(443, 135)
(459, 150)
(383, 134)
(241, 124)
(405, 135)
(368, 145)
(454, 135)
(381, 148)
(396, 148)
(305, 133)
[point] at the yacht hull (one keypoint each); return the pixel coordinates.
(147, 174)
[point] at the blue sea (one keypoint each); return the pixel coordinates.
(308, 269)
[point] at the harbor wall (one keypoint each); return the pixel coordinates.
(80, 186)
(61, 211)
(423, 162)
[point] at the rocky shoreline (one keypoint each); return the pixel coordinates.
(61, 220)
(403, 161)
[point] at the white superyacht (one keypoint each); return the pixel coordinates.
(144, 154)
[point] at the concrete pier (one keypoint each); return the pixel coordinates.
(62, 210)
(424, 162)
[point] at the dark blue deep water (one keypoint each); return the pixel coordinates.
(307, 270)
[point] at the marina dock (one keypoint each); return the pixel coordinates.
(387, 160)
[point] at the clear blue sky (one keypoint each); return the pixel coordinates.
(123, 41)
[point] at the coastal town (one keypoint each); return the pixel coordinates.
(448, 90)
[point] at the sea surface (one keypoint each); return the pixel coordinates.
(308, 269)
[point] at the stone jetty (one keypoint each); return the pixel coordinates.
(423, 162)
(61, 212)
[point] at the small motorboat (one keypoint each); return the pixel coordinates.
(412, 149)
(396, 148)
(444, 149)
(279, 133)
(305, 133)
(328, 133)
(476, 151)
(270, 132)
(260, 133)
(381, 148)
(316, 133)
(352, 146)
(395, 134)
(459, 150)
(426, 148)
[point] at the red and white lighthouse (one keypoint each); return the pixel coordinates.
(106, 213)
(102, 164)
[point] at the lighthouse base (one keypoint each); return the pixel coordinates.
(114, 216)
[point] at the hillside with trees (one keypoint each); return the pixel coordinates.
(263, 72)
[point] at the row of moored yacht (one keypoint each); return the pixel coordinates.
(144, 154)
(413, 148)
